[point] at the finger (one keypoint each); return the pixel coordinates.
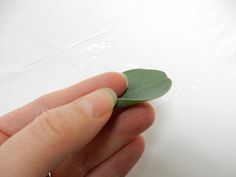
(121, 130)
(43, 144)
(118, 132)
(121, 162)
(16, 120)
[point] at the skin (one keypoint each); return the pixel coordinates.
(75, 132)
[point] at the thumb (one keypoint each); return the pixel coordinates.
(46, 142)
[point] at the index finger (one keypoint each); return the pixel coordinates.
(19, 118)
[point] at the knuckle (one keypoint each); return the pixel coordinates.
(42, 104)
(59, 125)
(51, 121)
(54, 125)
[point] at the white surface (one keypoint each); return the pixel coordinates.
(46, 45)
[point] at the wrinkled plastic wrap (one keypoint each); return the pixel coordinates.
(48, 45)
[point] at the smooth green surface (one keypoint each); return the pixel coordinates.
(144, 85)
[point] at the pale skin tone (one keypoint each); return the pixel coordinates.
(75, 132)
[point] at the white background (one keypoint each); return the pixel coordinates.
(46, 45)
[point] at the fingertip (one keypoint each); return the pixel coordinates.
(145, 115)
(125, 79)
(149, 111)
(111, 94)
(119, 81)
(139, 144)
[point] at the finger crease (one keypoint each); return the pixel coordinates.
(42, 105)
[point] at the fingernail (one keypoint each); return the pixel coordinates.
(125, 78)
(98, 103)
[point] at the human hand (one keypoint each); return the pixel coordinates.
(74, 132)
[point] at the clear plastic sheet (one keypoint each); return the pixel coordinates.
(48, 45)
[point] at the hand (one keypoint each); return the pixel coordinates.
(74, 132)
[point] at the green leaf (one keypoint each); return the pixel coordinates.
(144, 85)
